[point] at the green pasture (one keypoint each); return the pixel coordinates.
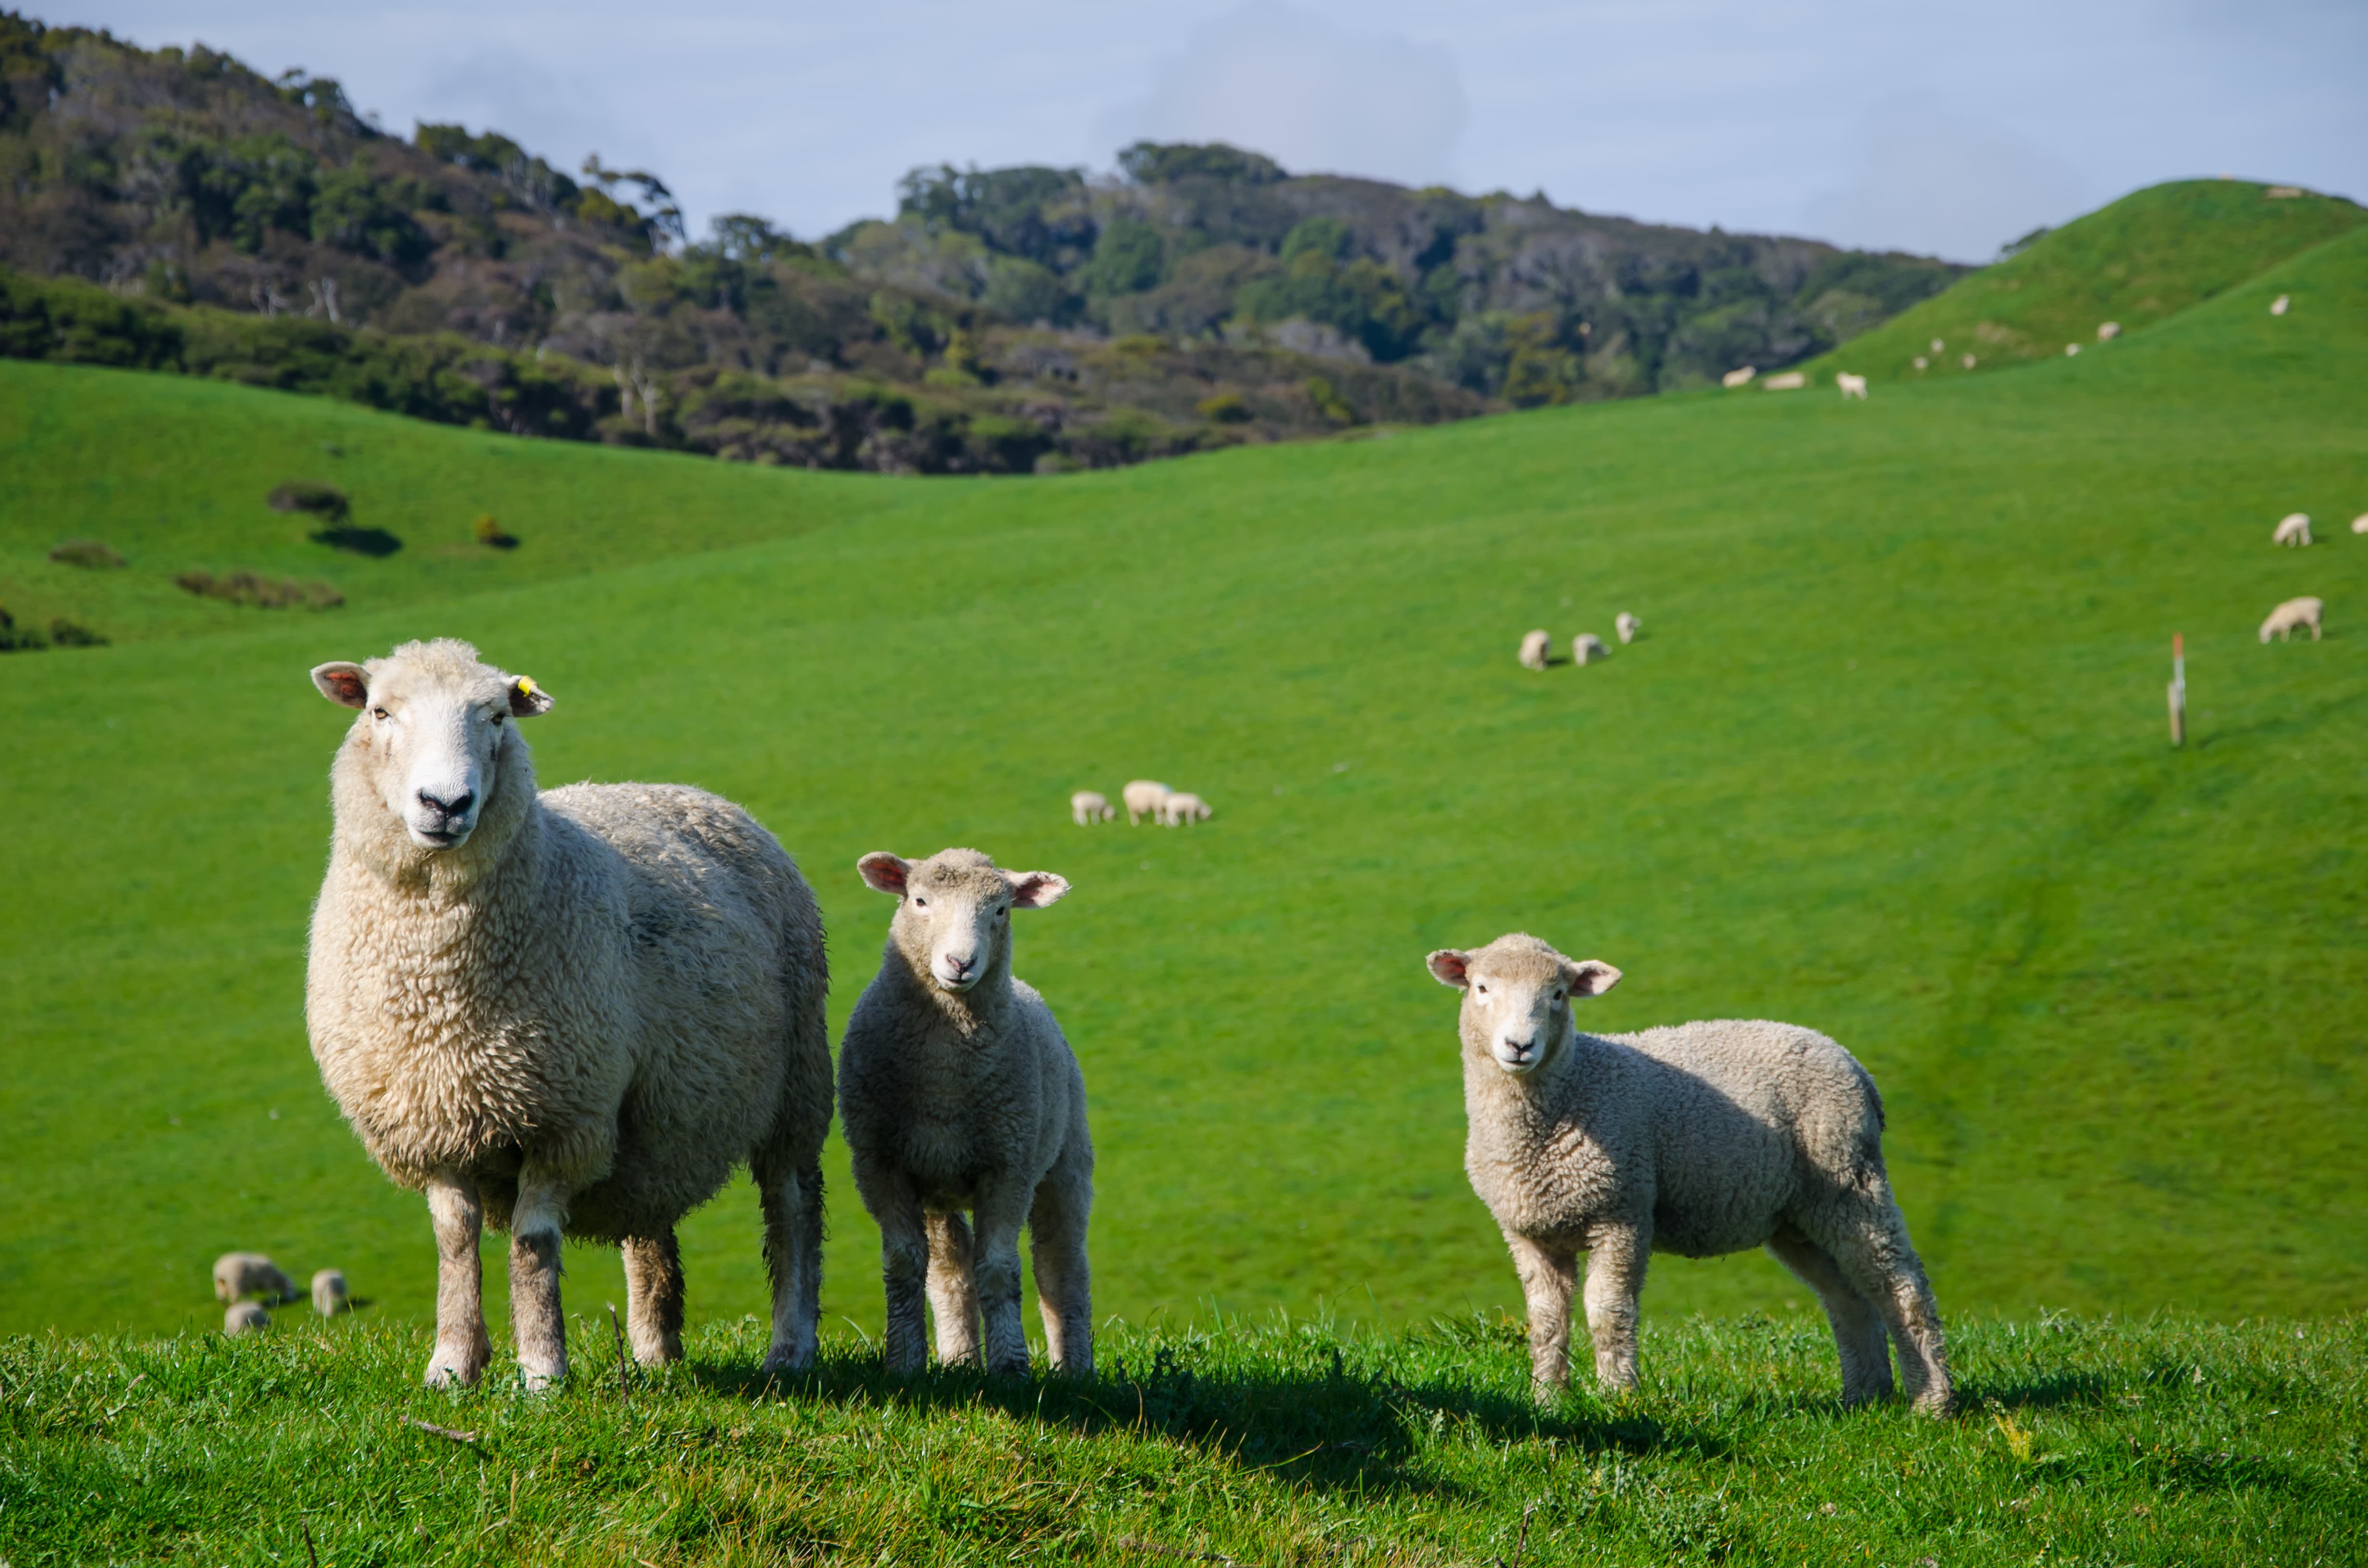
(1890, 761)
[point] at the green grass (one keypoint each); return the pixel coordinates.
(2139, 261)
(1889, 762)
(2166, 1441)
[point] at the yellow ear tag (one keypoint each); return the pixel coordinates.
(526, 685)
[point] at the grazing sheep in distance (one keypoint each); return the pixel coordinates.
(1968, 361)
(1851, 386)
(2283, 192)
(1791, 380)
(329, 1296)
(1938, 346)
(245, 1317)
(2293, 529)
(1586, 648)
(957, 1091)
(1181, 808)
(2108, 331)
(1142, 798)
(2278, 305)
(2360, 524)
(1089, 806)
(2071, 349)
(1627, 625)
(1740, 376)
(562, 1014)
(238, 1275)
(1921, 362)
(1533, 650)
(1700, 1140)
(2292, 616)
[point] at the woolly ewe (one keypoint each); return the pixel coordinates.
(2293, 529)
(1851, 386)
(1700, 1140)
(245, 1317)
(1089, 806)
(1533, 650)
(958, 1091)
(329, 1296)
(1627, 625)
(1181, 808)
(562, 1014)
(1586, 648)
(1141, 799)
(2292, 617)
(243, 1274)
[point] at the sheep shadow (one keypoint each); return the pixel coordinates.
(375, 542)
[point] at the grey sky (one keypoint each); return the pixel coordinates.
(1946, 127)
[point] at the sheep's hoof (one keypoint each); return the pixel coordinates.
(1940, 1405)
(786, 1358)
(535, 1381)
(445, 1373)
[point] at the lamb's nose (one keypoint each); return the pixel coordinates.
(455, 807)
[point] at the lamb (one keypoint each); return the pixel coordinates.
(565, 1014)
(1739, 377)
(1627, 625)
(2108, 330)
(245, 1317)
(2291, 617)
(1699, 1140)
(957, 1091)
(2294, 528)
(1791, 380)
(1181, 808)
(329, 1296)
(1851, 386)
(2360, 524)
(1087, 807)
(238, 1275)
(1534, 649)
(1586, 648)
(2278, 305)
(1142, 798)
(2071, 349)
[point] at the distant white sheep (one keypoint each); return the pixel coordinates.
(1968, 361)
(1183, 807)
(1586, 648)
(2292, 617)
(2360, 524)
(1089, 806)
(1738, 378)
(1921, 362)
(1851, 386)
(1627, 625)
(2283, 192)
(1142, 798)
(2108, 331)
(2278, 305)
(1938, 346)
(245, 1317)
(2293, 530)
(329, 1296)
(1533, 650)
(1791, 380)
(238, 1275)
(2071, 349)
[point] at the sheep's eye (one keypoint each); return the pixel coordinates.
(1482, 989)
(378, 712)
(921, 903)
(497, 720)
(1557, 996)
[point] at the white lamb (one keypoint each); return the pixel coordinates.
(1739, 377)
(2360, 524)
(2292, 617)
(245, 1317)
(1851, 386)
(1181, 808)
(1791, 380)
(1089, 806)
(329, 1296)
(1586, 648)
(1533, 650)
(2108, 331)
(1627, 625)
(1141, 799)
(1699, 1140)
(957, 1091)
(562, 1014)
(2294, 528)
(2278, 305)
(238, 1275)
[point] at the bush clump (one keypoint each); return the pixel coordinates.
(1223, 408)
(263, 593)
(492, 534)
(13, 640)
(304, 495)
(64, 634)
(88, 553)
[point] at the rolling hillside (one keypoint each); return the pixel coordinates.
(1888, 762)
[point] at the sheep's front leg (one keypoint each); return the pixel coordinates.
(1548, 1275)
(1616, 1256)
(953, 1298)
(904, 1261)
(654, 1297)
(462, 1347)
(1002, 1208)
(535, 1227)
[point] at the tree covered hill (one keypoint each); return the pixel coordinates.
(174, 209)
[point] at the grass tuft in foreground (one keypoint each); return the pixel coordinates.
(2079, 1441)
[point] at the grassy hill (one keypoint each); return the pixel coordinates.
(2139, 261)
(1889, 762)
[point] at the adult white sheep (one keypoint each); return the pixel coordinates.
(2108, 330)
(1851, 386)
(2277, 306)
(562, 1014)
(2360, 524)
(245, 1317)
(1791, 380)
(1586, 648)
(238, 1275)
(2292, 617)
(2294, 528)
(1699, 1140)
(1738, 376)
(957, 1091)
(1534, 649)
(1141, 799)
(1627, 625)
(329, 1297)
(1181, 808)
(1087, 807)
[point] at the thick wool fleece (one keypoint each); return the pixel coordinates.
(1700, 1139)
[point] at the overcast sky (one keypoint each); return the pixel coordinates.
(1945, 127)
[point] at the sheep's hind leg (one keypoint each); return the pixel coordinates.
(1868, 1240)
(954, 1301)
(654, 1297)
(1858, 1328)
(1616, 1256)
(793, 1204)
(463, 1349)
(535, 1313)
(1548, 1276)
(1056, 1244)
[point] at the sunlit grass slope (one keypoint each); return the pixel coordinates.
(2139, 261)
(1890, 762)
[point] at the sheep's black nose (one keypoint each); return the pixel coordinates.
(458, 806)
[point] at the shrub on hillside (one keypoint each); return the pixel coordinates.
(263, 593)
(88, 553)
(304, 495)
(15, 639)
(1223, 408)
(488, 532)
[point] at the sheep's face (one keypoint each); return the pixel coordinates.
(435, 723)
(953, 911)
(1516, 997)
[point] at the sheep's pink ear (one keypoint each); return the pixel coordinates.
(343, 684)
(883, 872)
(1449, 966)
(527, 700)
(1589, 977)
(1034, 890)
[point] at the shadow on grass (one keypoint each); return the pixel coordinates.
(2043, 1392)
(375, 542)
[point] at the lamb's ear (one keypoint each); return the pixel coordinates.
(1449, 966)
(883, 872)
(343, 684)
(1589, 977)
(1034, 890)
(527, 700)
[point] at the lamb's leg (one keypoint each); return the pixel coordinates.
(1616, 1256)
(793, 1204)
(463, 1349)
(654, 1297)
(535, 1228)
(1868, 1238)
(953, 1303)
(1056, 1244)
(1002, 1209)
(1548, 1276)
(904, 1262)
(1858, 1328)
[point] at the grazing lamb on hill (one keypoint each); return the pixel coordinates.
(1791, 380)
(2294, 528)
(2292, 617)
(329, 1297)
(1141, 799)
(1627, 625)
(245, 1317)
(2360, 524)
(1738, 376)
(562, 1014)
(238, 1275)
(1533, 650)
(1700, 1140)
(1089, 806)
(1851, 386)
(1183, 808)
(958, 1091)
(1586, 648)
